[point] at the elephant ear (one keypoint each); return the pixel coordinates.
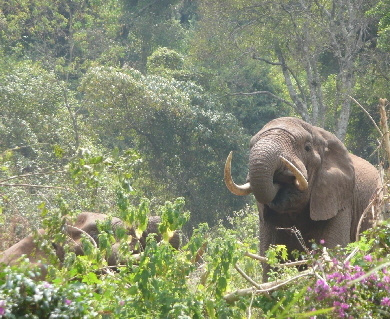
(332, 190)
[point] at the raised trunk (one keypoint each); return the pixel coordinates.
(263, 162)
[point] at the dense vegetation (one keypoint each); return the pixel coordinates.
(106, 105)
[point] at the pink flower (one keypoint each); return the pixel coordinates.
(368, 258)
(341, 308)
(385, 301)
(322, 241)
(2, 307)
(46, 285)
(68, 302)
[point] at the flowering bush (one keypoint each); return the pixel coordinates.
(196, 280)
(22, 296)
(353, 290)
(357, 285)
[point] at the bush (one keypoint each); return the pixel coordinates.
(22, 296)
(196, 280)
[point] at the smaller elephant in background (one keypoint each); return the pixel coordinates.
(303, 176)
(86, 222)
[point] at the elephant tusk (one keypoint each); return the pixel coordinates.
(240, 190)
(300, 180)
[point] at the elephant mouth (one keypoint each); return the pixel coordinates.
(288, 196)
(284, 177)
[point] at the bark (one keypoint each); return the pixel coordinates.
(346, 25)
(343, 118)
(340, 31)
(313, 79)
(300, 106)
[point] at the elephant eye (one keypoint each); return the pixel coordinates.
(308, 148)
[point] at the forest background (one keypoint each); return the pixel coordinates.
(169, 88)
(119, 100)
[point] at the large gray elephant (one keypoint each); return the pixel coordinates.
(303, 176)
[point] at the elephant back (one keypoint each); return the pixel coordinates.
(367, 183)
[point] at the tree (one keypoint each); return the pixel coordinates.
(316, 46)
(149, 24)
(180, 131)
(37, 139)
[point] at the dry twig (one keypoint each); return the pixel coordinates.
(32, 185)
(368, 114)
(246, 277)
(265, 260)
(265, 288)
(368, 208)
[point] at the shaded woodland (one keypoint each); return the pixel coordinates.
(106, 105)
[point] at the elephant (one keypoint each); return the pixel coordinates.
(303, 176)
(86, 223)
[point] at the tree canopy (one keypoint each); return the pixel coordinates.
(130, 108)
(181, 83)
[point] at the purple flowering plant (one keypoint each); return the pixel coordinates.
(356, 283)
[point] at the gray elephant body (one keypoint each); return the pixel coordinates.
(339, 186)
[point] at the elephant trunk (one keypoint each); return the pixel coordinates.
(268, 170)
(264, 161)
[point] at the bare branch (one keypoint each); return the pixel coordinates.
(265, 60)
(368, 274)
(265, 260)
(28, 175)
(31, 185)
(368, 114)
(257, 257)
(289, 70)
(384, 126)
(374, 198)
(353, 253)
(268, 93)
(246, 277)
(264, 288)
(299, 104)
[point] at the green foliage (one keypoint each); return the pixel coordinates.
(31, 99)
(22, 296)
(172, 217)
(381, 10)
(170, 122)
(163, 58)
(192, 282)
(120, 107)
(277, 253)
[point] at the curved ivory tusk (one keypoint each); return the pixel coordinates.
(300, 180)
(240, 190)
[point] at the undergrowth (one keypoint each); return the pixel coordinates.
(192, 282)
(209, 276)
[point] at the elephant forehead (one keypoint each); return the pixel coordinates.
(286, 125)
(279, 133)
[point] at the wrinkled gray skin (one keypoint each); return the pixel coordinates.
(86, 222)
(340, 186)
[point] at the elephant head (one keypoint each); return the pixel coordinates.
(293, 166)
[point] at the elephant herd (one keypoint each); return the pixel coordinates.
(301, 176)
(86, 223)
